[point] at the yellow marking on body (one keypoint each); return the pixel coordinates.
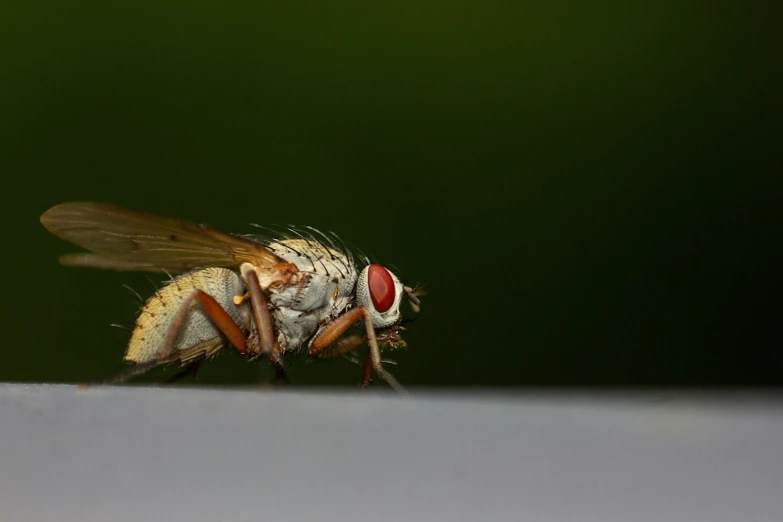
(239, 299)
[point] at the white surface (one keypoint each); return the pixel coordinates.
(118, 454)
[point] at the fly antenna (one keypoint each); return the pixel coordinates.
(412, 296)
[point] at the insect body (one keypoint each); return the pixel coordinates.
(198, 336)
(265, 296)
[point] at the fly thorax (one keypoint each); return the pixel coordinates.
(326, 277)
(310, 257)
(311, 292)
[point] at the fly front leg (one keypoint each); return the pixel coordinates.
(387, 336)
(349, 343)
(344, 345)
(339, 347)
(336, 328)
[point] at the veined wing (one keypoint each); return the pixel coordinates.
(123, 239)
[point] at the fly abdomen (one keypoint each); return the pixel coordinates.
(161, 316)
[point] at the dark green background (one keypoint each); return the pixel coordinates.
(591, 195)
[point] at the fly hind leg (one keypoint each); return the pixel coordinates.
(219, 317)
(189, 371)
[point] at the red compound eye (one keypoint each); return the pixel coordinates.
(381, 287)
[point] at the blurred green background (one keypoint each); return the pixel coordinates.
(591, 195)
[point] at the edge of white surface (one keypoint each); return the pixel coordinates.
(132, 453)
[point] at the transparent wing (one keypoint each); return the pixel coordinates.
(124, 239)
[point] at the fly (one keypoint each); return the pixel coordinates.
(266, 297)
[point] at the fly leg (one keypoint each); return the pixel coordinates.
(387, 336)
(216, 314)
(280, 376)
(124, 375)
(349, 343)
(339, 347)
(342, 346)
(190, 370)
(269, 347)
(336, 328)
(366, 373)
